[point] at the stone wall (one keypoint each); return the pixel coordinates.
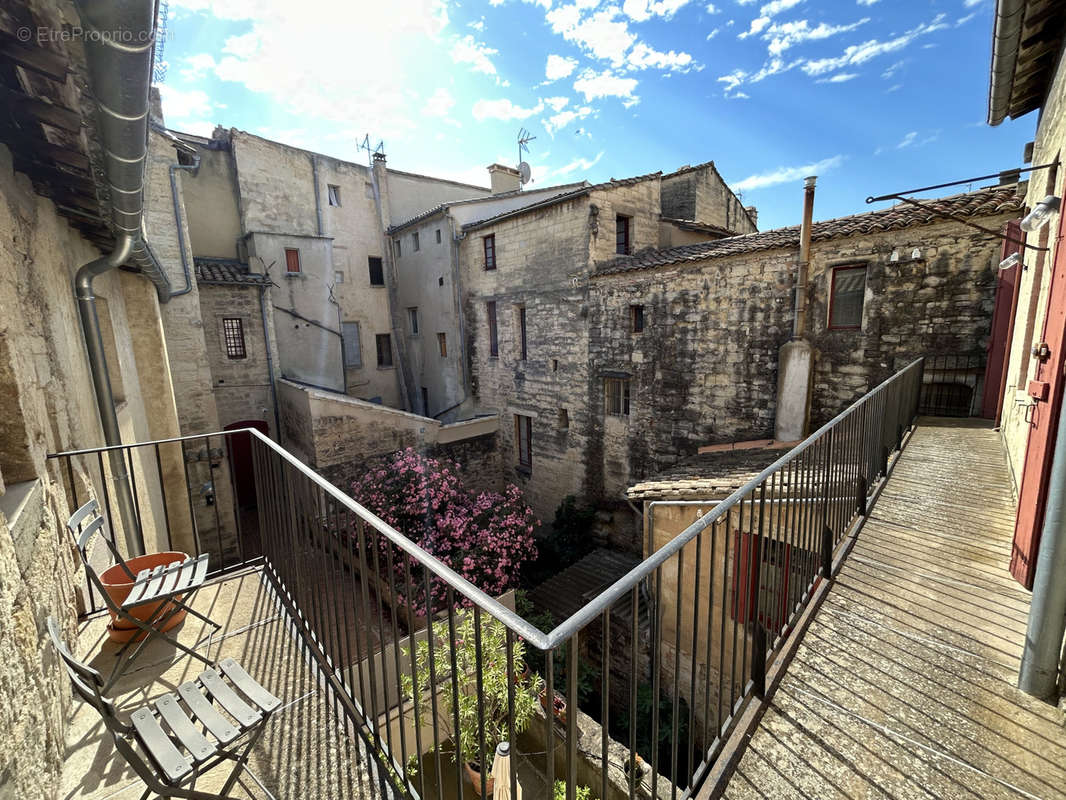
(49, 406)
(699, 193)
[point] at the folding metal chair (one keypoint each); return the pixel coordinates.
(176, 752)
(161, 586)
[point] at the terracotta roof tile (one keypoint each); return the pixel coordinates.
(984, 202)
(227, 270)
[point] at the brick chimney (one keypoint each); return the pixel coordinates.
(753, 212)
(503, 179)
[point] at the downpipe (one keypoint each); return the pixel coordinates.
(105, 400)
(192, 169)
(1039, 671)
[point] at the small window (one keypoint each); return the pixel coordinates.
(440, 281)
(425, 401)
(846, 295)
(334, 194)
(555, 365)
(233, 332)
(399, 250)
(523, 432)
(412, 319)
(384, 343)
(442, 344)
(621, 235)
(377, 271)
(520, 312)
(564, 418)
(292, 261)
(489, 243)
(494, 340)
(414, 242)
(438, 235)
(617, 393)
(636, 318)
(353, 351)
(338, 276)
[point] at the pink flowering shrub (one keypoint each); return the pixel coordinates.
(485, 537)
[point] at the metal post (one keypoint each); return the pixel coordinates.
(827, 552)
(758, 660)
(1038, 674)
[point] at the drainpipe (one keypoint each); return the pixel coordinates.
(318, 196)
(799, 321)
(1038, 674)
(192, 169)
(464, 366)
(270, 361)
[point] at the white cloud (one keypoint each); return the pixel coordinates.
(745, 2)
(711, 8)
(558, 67)
(196, 66)
(439, 103)
(556, 103)
(772, 67)
(861, 53)
(787, 174)
(595, 85)
(782, 36)
(964, 20)
(180, 104)
(602, 34)
(840, 77)
(467, 50)
(739, 96)
(477, 25)
(890, 71)
(582, 164)
(556, 122)
(766, 13)
(641, 10)
(712, 34)
(907, 140)
(867, 2)
(503, 109)
(972, 3)
(642, 56)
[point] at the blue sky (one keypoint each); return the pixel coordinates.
(873, 96)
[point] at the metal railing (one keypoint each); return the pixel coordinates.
(654, 672)
(952, 384)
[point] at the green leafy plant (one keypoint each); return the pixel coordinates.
(580, 792)
(488, 700)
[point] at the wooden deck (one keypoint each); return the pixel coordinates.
(904, 684)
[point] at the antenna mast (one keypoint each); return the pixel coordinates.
(371, 149)
(523, 168)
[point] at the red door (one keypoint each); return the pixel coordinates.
(1045, 394)
(239, 446)
(997, 339)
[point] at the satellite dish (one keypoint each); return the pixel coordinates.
(524, 173)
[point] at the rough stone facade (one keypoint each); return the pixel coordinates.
(699, 193)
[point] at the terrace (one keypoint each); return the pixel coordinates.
(321, 602)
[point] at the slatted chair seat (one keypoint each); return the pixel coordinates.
(173, 741)
(169, 587)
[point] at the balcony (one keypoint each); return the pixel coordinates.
(328, 607)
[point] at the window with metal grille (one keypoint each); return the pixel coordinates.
(621, 235)
(523, 350)
(377, 270)
(384, 343)
(334, 194)
(233, 333)
(494, 340)
(442, 343)
(292, 260)
(489, 243)
(847, 287)
(523, 432)
(636, 317)
(617, 396)
(353, 351)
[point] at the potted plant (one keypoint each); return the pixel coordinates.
(558, 708)
(488, 701)
(580, 792)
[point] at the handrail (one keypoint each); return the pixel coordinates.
(579, 619)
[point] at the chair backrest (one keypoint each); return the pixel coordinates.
(87, 682)
(84, 524)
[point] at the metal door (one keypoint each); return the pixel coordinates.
(239, 447)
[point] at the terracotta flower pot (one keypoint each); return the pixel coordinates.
(118, 585)
(473, 772)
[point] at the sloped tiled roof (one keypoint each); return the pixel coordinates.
(696, 225)
(227, 270)
(707, 476)
(982, 203)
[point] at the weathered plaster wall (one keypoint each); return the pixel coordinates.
(411, 194)
(49, 406)
(212, 203)
(1035, 279)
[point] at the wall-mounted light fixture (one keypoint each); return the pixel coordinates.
(1039, 216)
(1009, 261)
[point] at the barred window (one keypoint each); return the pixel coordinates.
(846, 296)
(233, 334)
(617, 396)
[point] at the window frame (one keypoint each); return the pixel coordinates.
(625, 397)
(833, 291)
(442, 344)
(524, 437)
(416, 244)
(623, 227)
(488, 245)
(494, 330)
(412, 320)
(333, 194)
(353, 357)
(370, 270)
(523, 339)
(637, 320)
(386, 338)
(438, 236)
(235, 338)
(288, 262)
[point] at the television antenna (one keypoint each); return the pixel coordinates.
(524, 171)
(371, 149)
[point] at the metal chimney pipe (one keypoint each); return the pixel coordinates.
(799, 322)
